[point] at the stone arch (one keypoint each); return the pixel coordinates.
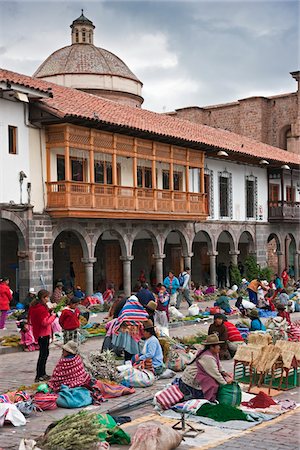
(14, 251)
(290, 250)
(246, 245)
(274, 248)
(109, 247)
(115, 231)
(79, 231)
(284, 134)
(176, 250)
(144, 249)
(18, 225)
(202, 249)
(226, 251)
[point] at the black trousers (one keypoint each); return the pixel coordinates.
(43, 356)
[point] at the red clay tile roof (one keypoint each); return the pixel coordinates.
(70, 103)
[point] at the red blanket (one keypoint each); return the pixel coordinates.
(69, 371)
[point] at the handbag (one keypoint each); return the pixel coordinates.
(169, 396)
(230, 394)
(73, 397)
(45, 401)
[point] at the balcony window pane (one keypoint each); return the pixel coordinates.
(140, 177)
(108, 174)
(60, 167)
(224, 196)
(77, 169)
(99, 172)
(148, 177)
(177, 181)
(250, 198)
(166, 179)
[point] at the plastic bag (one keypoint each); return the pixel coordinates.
(10, 413)
(193, 310)
(26, 408)
(154, 436)
(110, 431)
(175, 313)
(230, 394)
(137, 378)
(73, 397)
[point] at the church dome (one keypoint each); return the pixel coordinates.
(92, 69)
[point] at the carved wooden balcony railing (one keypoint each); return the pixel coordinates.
(78, 199)
(283, 211)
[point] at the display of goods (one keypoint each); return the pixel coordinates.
(102, 365)
(10, 341)
(75, 432)
(194, 339)
(60, 305)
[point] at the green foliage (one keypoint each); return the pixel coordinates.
(235, 274)
(252, 268)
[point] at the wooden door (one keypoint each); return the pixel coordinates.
(113, 264)
(75, 256)
(177, 260)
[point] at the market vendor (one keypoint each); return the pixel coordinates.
(151, 308)
(234, 337)
(203, 376)
(256, 323)
(283, 313)
(223, 302)
(219, 328)
(69, 370)
(152, 349)
(127, 330)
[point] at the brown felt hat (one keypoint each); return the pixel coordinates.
(253, 314)
(148, 324)
(151, 305)
(212, 339)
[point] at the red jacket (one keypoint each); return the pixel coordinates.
(40, 319)
(69, 319)
(233, 333)
(5, 297)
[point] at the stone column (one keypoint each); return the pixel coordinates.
(234, 256)
(188, 263)
(126, 274)
(159, 267)
(89, 274)
(296, 265)
(212, 267)
(281, 262)
(287, 251)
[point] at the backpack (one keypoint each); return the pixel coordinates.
(181, 278)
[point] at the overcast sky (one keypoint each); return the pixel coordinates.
(186, 53)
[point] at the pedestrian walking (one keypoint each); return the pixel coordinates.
(5, 299)
(184, 291)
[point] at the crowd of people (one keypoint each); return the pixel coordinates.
(132, 322)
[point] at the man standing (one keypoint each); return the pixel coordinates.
(184, 291)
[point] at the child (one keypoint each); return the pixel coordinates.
(198, 294)
(69, 321)
(27, 339)
(162, 311)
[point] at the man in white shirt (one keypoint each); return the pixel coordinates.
(184, 290)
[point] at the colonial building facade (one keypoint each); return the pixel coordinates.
(116, 189)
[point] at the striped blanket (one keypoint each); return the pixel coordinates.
(132, 313)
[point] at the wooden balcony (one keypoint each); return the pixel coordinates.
(93, 200)
(282, 211)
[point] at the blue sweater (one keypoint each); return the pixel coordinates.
(257, 325)
(152, 350)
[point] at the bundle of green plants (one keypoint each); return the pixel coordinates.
(75, 432)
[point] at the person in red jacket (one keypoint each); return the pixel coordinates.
(40, 318)
(5, 299)
(69, 320)
(234, 337)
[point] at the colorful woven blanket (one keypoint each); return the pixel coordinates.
(132, 312)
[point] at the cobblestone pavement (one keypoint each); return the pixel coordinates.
(17, 369)
(281, 434)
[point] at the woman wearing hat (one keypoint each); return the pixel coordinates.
(203, 376)
(151, 308)
(220, 330)
(152, 349)
(256, 323)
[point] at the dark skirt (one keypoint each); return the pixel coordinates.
(189, 392)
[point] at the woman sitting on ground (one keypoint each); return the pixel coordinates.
(69, 370)
(152, 349)
(203, 376)
(219, 328)
(256, 323)
(223, 302)
(283, 313)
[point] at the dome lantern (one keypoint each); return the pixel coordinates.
(82, 30)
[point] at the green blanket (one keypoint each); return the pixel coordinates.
(221, 413)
